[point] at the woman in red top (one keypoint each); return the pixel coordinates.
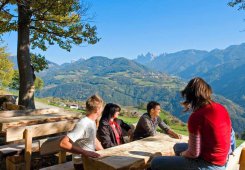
(209, 129)
(110, 130)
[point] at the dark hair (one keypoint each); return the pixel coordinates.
(196, 94)
(109, 110)
(152, 105)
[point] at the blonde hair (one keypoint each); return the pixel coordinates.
(94, 103)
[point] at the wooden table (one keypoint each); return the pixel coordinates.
(138, 160)
(133, 156)
(10, 119)
(27, 124)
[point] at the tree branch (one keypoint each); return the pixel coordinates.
(47, 31)
(54, 33)
(53, 20)
(9, 13)
(3, 4)
(41, 7)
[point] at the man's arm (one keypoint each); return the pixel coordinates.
(146, 125)
(98, 145)
(173, 134)
(162, 125)
(68, 146)
(167, 129)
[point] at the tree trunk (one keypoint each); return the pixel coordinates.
(26, 90)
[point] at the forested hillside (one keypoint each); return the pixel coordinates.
(124, 82)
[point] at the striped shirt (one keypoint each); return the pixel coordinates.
(194, 145)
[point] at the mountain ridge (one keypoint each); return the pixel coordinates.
(223, 69)
(124, 82)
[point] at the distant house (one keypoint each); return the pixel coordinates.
(74, 106)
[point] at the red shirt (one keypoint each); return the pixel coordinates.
(213, 123)
(115, 127)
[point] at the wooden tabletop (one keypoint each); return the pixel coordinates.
(34, 118)
(133, 156)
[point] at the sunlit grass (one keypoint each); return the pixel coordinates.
(178, 128)
(239, 142)
(129, 120)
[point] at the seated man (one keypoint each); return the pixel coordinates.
(149, 121)
(82, 141)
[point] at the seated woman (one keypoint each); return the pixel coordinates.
(209, 128)
(110, 127)
(149, 121)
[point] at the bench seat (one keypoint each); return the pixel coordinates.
(63, 166)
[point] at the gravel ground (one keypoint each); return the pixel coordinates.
(40, 105)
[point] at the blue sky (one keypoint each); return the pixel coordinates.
(128, 28)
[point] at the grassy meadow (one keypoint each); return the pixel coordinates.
(178, 127)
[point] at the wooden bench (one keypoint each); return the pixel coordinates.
(45, 146)
(242, 159)
(29, 112)
(25, 125)
(237, 160)
(28, 132)
(13, 149)
(63, 166)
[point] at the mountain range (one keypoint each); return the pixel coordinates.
(116, 80)
(223, 69)
(152, 77)
(125, 82)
